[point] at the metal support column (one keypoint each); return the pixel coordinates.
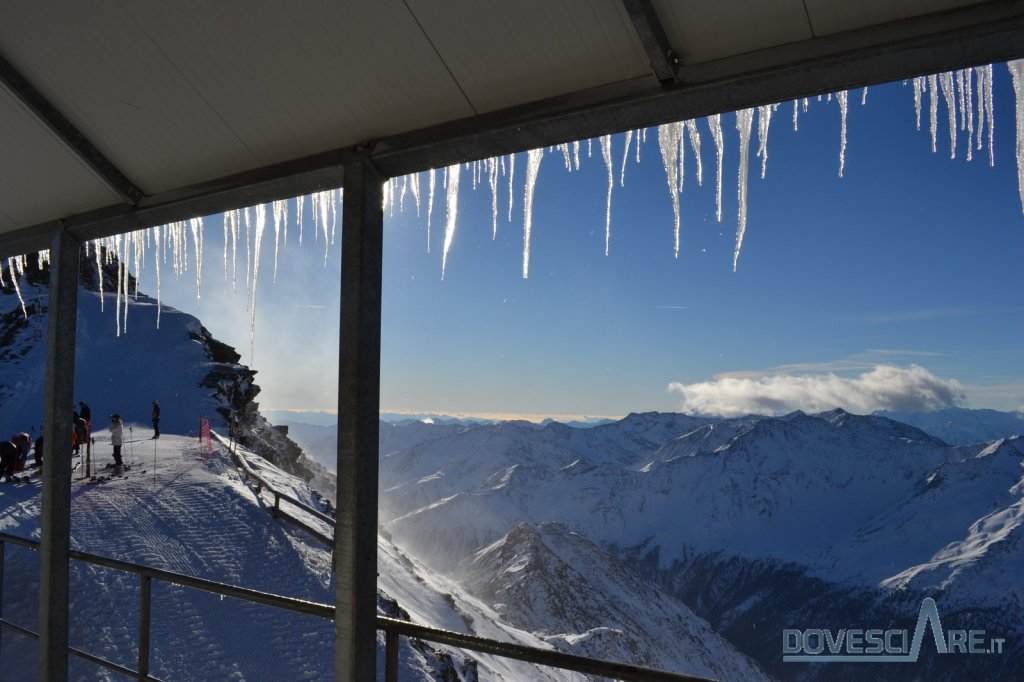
(355, 537)
(55, 525)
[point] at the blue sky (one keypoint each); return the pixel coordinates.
(910, 259)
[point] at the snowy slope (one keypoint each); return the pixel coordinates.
(961, 426)
(557, 583)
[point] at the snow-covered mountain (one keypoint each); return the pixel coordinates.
(757, 524)
(961, 426)
(178, 363)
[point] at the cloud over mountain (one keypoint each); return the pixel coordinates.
(886, 387)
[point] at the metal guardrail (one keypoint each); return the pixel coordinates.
(393, 628)
(278, 496)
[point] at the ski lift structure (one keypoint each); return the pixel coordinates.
(121, 116)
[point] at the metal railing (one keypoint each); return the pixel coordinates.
(393, 628)
(278, 496)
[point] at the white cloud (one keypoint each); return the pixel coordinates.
(885, 387)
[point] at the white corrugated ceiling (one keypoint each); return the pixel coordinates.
(179, 93)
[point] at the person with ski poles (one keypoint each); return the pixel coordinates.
(23, 442)
(117, 437)
(156, 419)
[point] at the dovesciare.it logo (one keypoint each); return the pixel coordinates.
(884, 646)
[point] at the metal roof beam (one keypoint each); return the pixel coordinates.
(664, 60)
(47, 114)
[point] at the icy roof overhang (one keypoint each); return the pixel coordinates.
(118, 116)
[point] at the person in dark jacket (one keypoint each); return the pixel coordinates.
(8, 458)
(37, 449)
(156, 419)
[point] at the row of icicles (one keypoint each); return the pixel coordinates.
(967, 95)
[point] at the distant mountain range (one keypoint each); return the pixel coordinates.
(756, 524)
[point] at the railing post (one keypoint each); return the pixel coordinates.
(145, 603)
(390, 656)
(3, 556)
(55, 521)
(355, 536)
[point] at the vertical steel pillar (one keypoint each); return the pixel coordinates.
(57, 406)
(355, 537)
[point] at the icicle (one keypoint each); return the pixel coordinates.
(764, 118)
(576, 153)
(744, 121)
(99, 273)
(948, 93)
(511, 175)
(117, 308)
(248, 246)
(979, 71)
(590, 147)
(933, 109)
(670, 143)
(414, 185)
(796, 113)
(564, 148)
(990, 113)
(694, 135)
(300, 202)
(197, 238)
(453, 211)
(236, 219)
(1017, 74)
(625, 158)
(969, 109)
(261, 223)
(806, 104)
(401, 196)
(642, 133)
(606, 154)
(14, 280)
(715, 123)
(156, 256)
(280, 216)
(864, 96)
(533, 159)
(961, 99)
(919, 87)
(492, 181)
(430, 202)
(842, 96)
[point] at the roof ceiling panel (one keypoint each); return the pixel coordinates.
(830, 16)
(508, 53)
(40, 179)
(178, 93)
(703, 31)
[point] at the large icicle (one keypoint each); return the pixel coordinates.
(414, 186)
(625, 157)
(511, 175)
(933, 108)
(156, 257)
(196, 225)
(969, 110)
(670, 143)
(744, 121)
(919, 87)
(949, 94)
(764, 119)
(990, 113)
(715, 123)
(432, 185)
(842, 96)
(12, 264)
(261, 223)
(453, 211)
(492, 182)
(694, 136)
(280, 217)
(606, 154)
(533, 159)
(1017, 73)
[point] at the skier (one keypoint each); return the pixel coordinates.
(8, 459)
(80, 435)
(116, 437)
(156, 419)
(23, 442)
(38, 450)
(85, 413)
